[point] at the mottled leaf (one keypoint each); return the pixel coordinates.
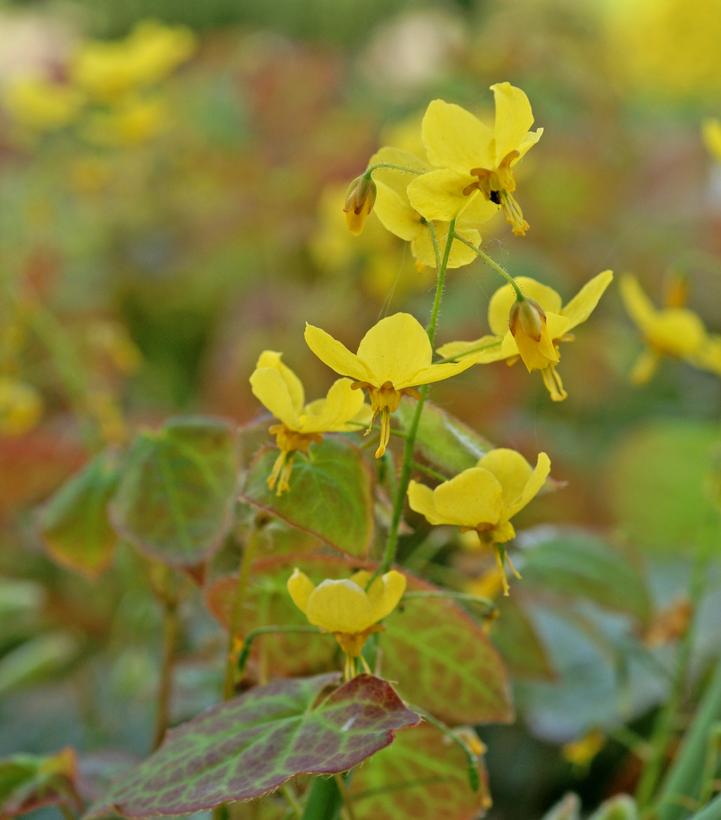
(28, 782)
(330, 494)
(249, 746)
(663, 484)
(516, 638)
(74, 523)
(578, 564)
(176, 495)
(423, 775)
(440, 657)
(443, 440)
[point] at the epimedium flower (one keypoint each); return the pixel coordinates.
(484, 498)
(359, 200)
(393, 359)
(531, 329)
(397, 214)
(673, 331)
(350, 608)
(468, 156)
(277, 387)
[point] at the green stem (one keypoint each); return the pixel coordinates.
(236, 614)
(664, 727)
(466, 597)
(324, 800)
(469, 351)
(369, 170)
(171, 629)
(391, 546)
(268, 630)
(493, 264)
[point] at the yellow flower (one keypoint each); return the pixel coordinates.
(109, 69)
(712, 137)
(277, 387)
(484, 498)
(394, 357)
(398, 215)
(359, 201)
(470, 156)
(20, 407)
(541, 322)
(673, 331)
(348, 608)
(40, 105)
(132, 121)
(582, 751)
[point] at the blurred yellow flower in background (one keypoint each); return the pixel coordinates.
(673, 331)
(133, 121)
(511, 340)
(712, 137)
(281, 392)
(20, 407)
(470, 156)
(484, 498)
(39, 105)
(348, 608)
(394, 357)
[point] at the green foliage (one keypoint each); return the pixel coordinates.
(249, 746)
(621, 807)
(29, 782)
(517, 639)
(177, 491)
(74, 523)
(330, 494)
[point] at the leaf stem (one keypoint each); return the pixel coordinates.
(171, 630)
(501, 271)
(369, 170)
(269, 630)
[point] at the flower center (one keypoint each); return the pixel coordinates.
(498, 185)
(288, 442)
(384, 401)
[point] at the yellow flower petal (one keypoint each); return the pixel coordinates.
(385, 593)
(438, 195)
(460, 255)
(272, 392)
(396, 213)
(533, 486)
(485, 350)
(395, 349)
(439, 372)
(585, 301)
(513, 119)
(638, 305)
(300, 588)
(332, 414)
(676, 332)
(708, 356)
(472, 498)
(531, 138)
(274, 360)
(420, 500)
(712, 137)
(339, 606)
(499, 308)
(644, 367)
(510, 468)
(335, 354)
(392, 177)
(455, 139)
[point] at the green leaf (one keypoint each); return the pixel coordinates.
(177, 492)
(28, 782)
(569, 808)
(251, 745)
(577, 564)
(40, 658)
(663, 482)
(621, 807)
(422, 775)
(440, 657)
(74, 523)
(330, 495)
(516, 638)
(443, 440)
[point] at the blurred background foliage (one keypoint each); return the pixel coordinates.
(170, 206)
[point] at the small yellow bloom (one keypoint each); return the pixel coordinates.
(346, 607)
(133, 121)
(394, 357)
(398, 215)
(533, 329)
(39, 105)
(582, 751)
(712, 137)
(20, 407)
(359, 201)
(484, 498)
(470, 156)
(675, 332)
(277, 387)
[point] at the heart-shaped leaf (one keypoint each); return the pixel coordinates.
(74, 523)
(423, 775)
(176, 495)
(330, 495)
(443, 440)
(251, 745)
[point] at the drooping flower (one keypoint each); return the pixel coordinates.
(277, 387)
(673, 331)
(348, 608)
(484, 498)
(393, 359)
(470, 156)
(359, 201)
(531, 330)
(398, 215)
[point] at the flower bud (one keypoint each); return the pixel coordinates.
(359, 202)
(527, 318)
(676, 291)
